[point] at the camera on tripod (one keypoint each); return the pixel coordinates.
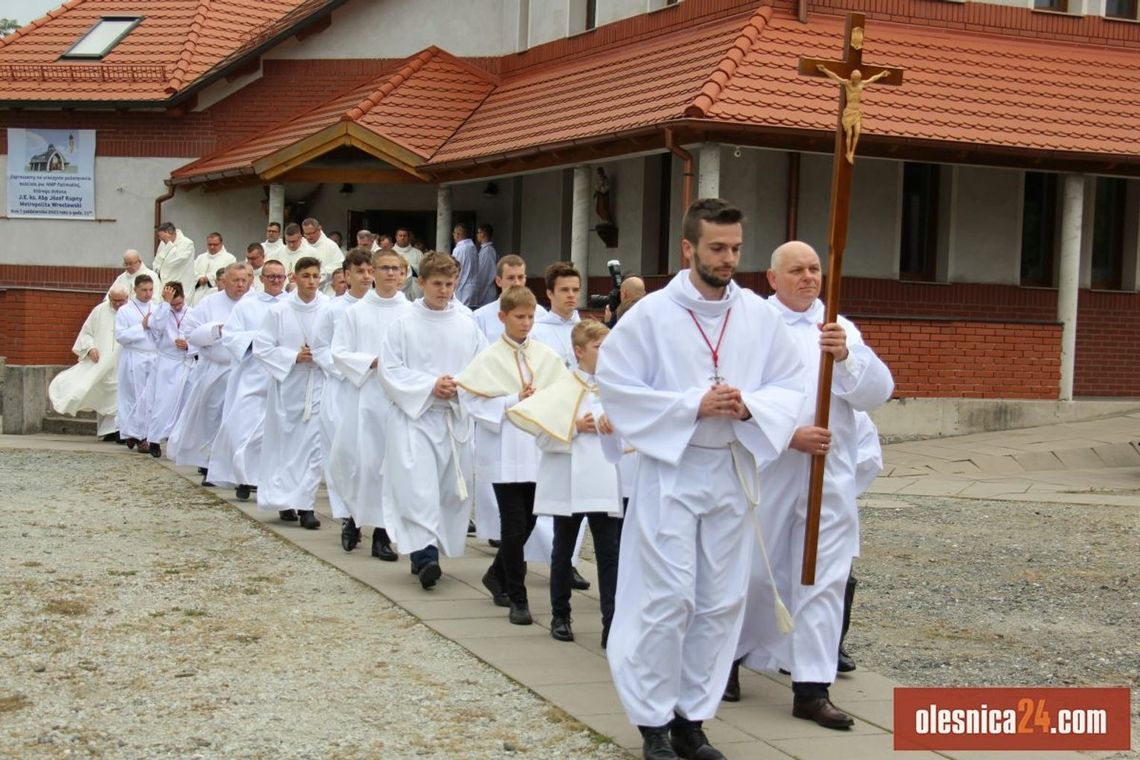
(613, 298)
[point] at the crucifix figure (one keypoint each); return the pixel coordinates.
(854, 76)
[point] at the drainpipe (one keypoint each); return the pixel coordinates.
(791, 230)
(801, 13)
(171, 188)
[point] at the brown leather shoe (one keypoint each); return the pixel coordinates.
(822, 712)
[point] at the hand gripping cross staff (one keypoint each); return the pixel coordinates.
(853, 76)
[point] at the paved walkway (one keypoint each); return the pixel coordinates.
(1089, 462)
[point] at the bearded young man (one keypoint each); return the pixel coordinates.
(702, 378)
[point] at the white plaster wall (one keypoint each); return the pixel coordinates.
(549, 20)
(236, 214)
(987, 221)
(757, 183)
(542, 212)
(872, 237)
(125, 190)
(398, 28)
(615, 10)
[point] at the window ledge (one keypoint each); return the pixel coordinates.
(1047, 12)
(1122, 20)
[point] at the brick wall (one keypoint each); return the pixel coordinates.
(39, 326)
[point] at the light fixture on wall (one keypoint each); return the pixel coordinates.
(737, 153)
(490, 189)
(346, 189)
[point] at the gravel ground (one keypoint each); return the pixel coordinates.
(962, 592)
(144, 618)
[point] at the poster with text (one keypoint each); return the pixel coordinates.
(51, 173)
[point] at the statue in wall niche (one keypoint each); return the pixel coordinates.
(606, 228)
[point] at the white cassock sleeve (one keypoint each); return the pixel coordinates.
(238, 333)
(775, 404)
(85, 341)
(410, 389)
(355, 366)
(862, 380)
(488, 413)
(199, 333)
(128, 334)
(158, 319)
(550, 445)
(322, 342)
(278, 360)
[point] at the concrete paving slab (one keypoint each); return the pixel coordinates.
(932, 487)
(846, 746)
(752, 750)
(1120, 455)
(536, 661)
(1038, 460)
(994, 464)
(774, 723)
(582, 699)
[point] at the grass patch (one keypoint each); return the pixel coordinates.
(122, 573)
(13, 703)
(67, 607)
(194, 613)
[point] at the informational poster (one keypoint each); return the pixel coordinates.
(51, 173)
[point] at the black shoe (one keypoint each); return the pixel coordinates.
(382, 546)
(471, 527)
(605, 636)
(690, 742)
(655, 743)
(206, 483)
(429, 574)
(288, 515)
(120, 440)
(846, 661)
(201, 470)
(492, 583)
(110, 438)
(132, 442)
(732, 688)
(494, 543)
(520, 614)
(144, 447)
(560, 629)
(415, 570)
(308, 519)
(577, 581)
(156, 450)
(349, 534)
(822, 712)
(242, 492)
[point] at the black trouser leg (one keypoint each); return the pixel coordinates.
(565, 536)
(516, 520)
(848, 600)
(606, 530)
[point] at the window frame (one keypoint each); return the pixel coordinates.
(1047, 228)
(110, 47)
(931, 232)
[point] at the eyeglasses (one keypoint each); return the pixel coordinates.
(389, 268)
(274, 277)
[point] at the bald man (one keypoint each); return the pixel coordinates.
(134, 266)
(860, 383)
(631, 291)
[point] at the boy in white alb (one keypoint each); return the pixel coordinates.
(358, 443)
(428, 450)
(173, 361)
(575, 480)
(136, 363)
(292, 436)
(509, 370)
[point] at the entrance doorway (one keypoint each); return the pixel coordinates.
(421, 223)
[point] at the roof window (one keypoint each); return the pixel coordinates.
(102, 38)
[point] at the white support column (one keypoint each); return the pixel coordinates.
(443, 218)
(708, 171)
(580, 227)
(277, 203)
(1069, 277)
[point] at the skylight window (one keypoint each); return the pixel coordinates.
(102, 38)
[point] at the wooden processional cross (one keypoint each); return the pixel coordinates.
(852, 76)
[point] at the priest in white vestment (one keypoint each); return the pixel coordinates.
(427, 457)
(91, 384)
(134, 266)
(169, 383)
(174, 258)
(703, 379)
(413, 256)
(136, 363)
(860, 383)
(358, 442)
(359, 276)
(273, 245)
(292, 440)
(235, 455)
(326, 251)
(206, 267)
(255, 258)
(202, 414)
